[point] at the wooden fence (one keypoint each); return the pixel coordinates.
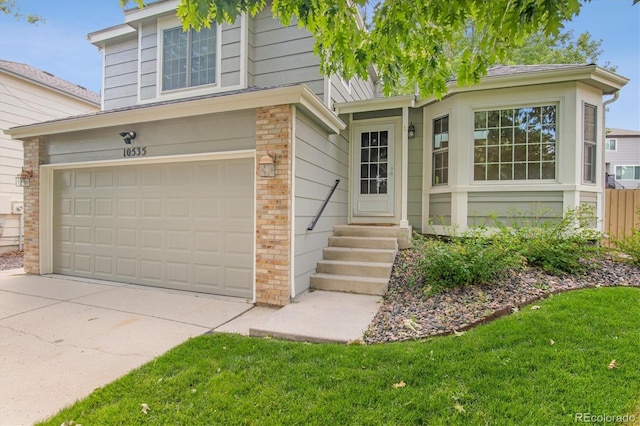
(621, 211)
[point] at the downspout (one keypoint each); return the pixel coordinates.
(602, 202)
(404, 203)
(615, 97)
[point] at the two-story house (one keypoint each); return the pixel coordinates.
(622, 158)
(29, 95)
(223, 160)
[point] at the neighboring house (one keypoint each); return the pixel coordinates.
(29, 95)
(622, 158)
(165, 186)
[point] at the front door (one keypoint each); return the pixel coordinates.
(373, 161)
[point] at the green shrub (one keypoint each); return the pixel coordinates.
(481, 255)
(566, 245)
(463, 260)
(630, 245)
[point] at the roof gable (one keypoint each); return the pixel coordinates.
(38, 76)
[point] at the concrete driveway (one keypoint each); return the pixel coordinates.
(60, 339)
(63, 337)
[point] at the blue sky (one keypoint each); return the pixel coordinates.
(59, 46)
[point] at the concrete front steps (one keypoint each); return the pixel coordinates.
(359, 259)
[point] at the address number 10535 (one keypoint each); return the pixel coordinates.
(134, 152)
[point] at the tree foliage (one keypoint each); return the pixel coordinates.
(9, 7)
(409, 41)
(558, 49)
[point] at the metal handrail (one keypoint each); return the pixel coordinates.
(326, 201)
(612, 183)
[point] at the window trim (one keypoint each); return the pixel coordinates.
(435, 151)
(170, 22)
(555, 102)
(615, 143)
(593, 144)
(615, 170)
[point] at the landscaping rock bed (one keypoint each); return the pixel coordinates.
(408, 313)
(11, 260)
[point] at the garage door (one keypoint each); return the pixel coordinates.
(186, 226)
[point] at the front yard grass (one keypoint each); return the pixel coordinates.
(537, 366)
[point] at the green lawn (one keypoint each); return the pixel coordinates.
(506, 372)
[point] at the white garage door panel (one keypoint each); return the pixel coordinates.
(179, 225)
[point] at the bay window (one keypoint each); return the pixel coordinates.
(515, 143)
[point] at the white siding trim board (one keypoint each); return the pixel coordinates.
(292, 231)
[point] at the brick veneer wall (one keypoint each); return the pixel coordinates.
(274, 207)
(32, 154)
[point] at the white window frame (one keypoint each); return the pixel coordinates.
(526, 181)
(439, 151)
(607, 146)
(592, 144)
(171, 22)
(615, 170)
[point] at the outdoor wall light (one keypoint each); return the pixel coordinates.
(267, 165)
(128, 136)
(23, 179)
(411, 131)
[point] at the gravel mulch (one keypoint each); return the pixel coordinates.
(408, 313)
(11, 260)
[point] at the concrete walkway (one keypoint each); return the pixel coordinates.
(61, 338)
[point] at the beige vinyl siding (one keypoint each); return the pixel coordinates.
(320, 159)
(121, 73)
(283, 55)
(414, 196)
(210, 133)
(440, 209)
(149, 61)
(24, 102)
(589, 199)
(484, 207)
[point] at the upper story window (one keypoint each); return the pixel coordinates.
(611, 145)
(188, 58)
(515, 143)
(441, 150)
(589, 139)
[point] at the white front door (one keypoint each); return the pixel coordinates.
(374, 170)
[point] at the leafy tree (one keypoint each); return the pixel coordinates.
(558, 49)
(9, 7)
(409, 41)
